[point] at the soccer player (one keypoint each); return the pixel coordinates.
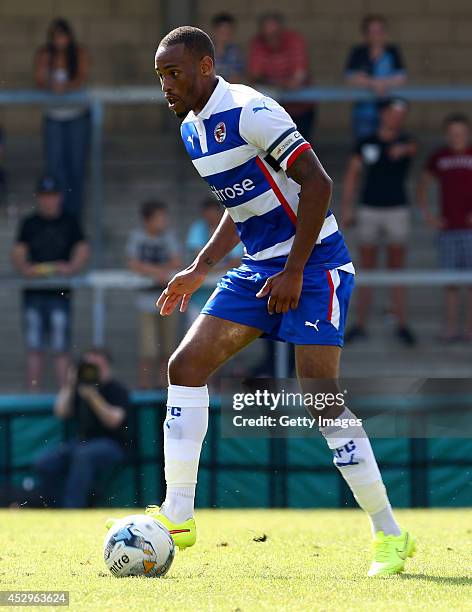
(296, 270)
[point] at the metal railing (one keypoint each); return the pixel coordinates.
(100, 281)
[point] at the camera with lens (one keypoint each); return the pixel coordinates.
(87, 373)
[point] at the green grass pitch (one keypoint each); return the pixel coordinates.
(310, 560)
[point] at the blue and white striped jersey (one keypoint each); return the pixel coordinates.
(242, 143)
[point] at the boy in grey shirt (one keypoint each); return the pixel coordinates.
(153, 251)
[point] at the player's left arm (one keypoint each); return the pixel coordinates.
(284, 288)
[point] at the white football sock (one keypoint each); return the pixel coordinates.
(354, 458)
(184, 430)
(385, 521)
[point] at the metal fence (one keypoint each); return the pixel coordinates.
(100, 281)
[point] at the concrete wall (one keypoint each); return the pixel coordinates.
(121, 35)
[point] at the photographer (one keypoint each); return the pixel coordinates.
(98, 407)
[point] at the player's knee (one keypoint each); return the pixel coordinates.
(183, 369)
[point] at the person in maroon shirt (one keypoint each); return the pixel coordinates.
(451, 167)
(278, 57)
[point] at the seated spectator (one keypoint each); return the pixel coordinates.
(384, 216)
(278, 57)
(377, 66)
(98, 407)
(198, 235)
(228, 55)
(50, 242)
(153, 251)
(62, 66)
(3, 180)
(451, 167)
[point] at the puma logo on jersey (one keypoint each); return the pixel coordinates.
(310, 324)
(260, 108)
(190, 140)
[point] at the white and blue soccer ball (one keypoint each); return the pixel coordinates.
(137, 545)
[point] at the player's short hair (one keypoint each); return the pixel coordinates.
(368, 20)
(223, 18)
(150, 207)
(196, 41)
(456, 118)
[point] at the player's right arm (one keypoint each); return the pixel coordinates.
(186, 282)
(350, 184)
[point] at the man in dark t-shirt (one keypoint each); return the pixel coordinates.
(451, 167)
(377, 66)
(97, 405)
(383, 161)
(49, 243)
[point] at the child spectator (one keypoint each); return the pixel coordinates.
(377, 66)
(50, 242)
(451, 167)
(198, 235)
(153, 251)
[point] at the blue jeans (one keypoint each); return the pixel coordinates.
(46, 321)
(76, 465)
(66, 145)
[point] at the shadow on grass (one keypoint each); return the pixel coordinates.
(444, 580)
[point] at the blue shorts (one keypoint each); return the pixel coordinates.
(319, 319)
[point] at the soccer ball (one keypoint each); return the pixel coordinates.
(137, 545)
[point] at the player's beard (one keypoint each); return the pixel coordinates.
(192, 94)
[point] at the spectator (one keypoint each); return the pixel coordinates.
(385, 159)
(49, 242)
(3, 180)
(198, 235)
(279, 58)
(377, 66)
(153, 251)
(62, 66)
(451, 167)
(228, 55)
(98, 406)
